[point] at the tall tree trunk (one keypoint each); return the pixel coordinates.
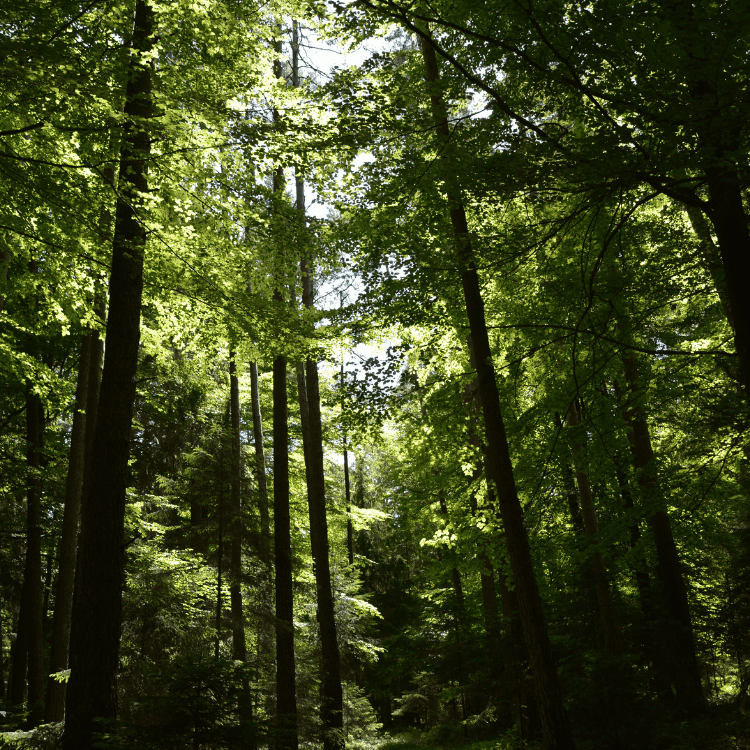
(332, 700)
(260, 467)
(286, 685)
(611, 629)
(239, 646)
(55, 705)
(331, 692)
(556, 730)
(265, 632)
(219, 552)
(29, 640)
(684, 663)
(286, 699)
(2, 656)
(347, 485)
(77, 483)
(97, 606)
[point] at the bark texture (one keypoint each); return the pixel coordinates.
(97, 606)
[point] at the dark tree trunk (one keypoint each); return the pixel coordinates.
(97, 606)
(524, 699)
(556, 732)
(332, 697)
(265, 632)
(332, 701)
(610, 626)
(2, 657)
(492, 625)
(348, 491)
(219, 553)
(570, 487)
(653, 641)
(239, 646)
(347, 486)
(4, 273)
(48, 578)
(640, 569)
(260, 467)
(29, 649)
(286, 684)
(711, 258)
(286, 699)
(684, 664)
(730, 221)
(55, 705)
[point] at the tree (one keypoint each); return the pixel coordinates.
(95, 637)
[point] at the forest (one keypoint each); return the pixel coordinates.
(391, 403)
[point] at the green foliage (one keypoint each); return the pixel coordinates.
(45, 737)
(584, 139)
(193, 699)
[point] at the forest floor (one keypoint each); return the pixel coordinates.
(725, 728)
